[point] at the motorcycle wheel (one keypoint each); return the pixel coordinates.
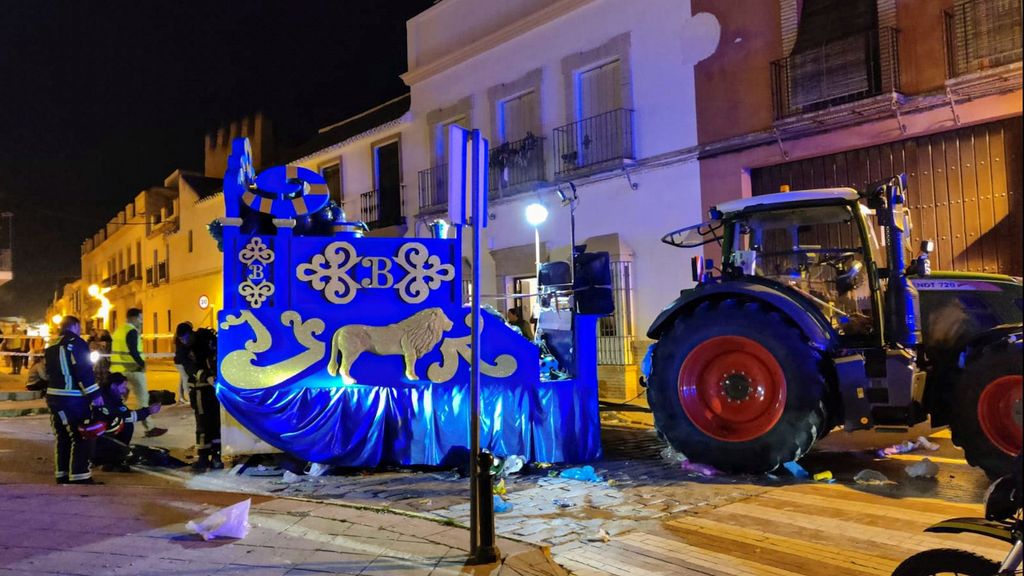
(946, 561)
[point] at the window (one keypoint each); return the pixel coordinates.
(332, 174)
(816, 251)
(517, 116)
(383, 205)
(441, 138)
(189, 241)
(599, 90)
(615, 340)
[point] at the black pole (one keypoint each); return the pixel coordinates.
(487, 551)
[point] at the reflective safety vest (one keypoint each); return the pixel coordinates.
(120, 359)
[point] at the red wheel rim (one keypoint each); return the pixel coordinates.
(999, 412)
(732, 388)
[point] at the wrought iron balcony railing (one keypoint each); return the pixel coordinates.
(589, 144)
(982, 34)
(380, 208)
(516, 164)
(433, 187)
(841, 71)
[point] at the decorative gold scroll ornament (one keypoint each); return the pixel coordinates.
(238, 368)
(452, 348)
(256, 256)
(330, 272)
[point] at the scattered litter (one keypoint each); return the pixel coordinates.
(797, 470)
(699, 469)
(499, 488)
(921, 443)
(670, 454)
(230, 522)
(542, 465)
(613, 482)
(923, 469)
(316, 469)
(871, 478)
(291, 477)
(601, 536)
(585, 473)
(562, 503)
(501, 506)
(513, 464)
(262, 470)
(825, 476)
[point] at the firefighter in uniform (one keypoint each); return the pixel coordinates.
(203, 398)
(70, 394)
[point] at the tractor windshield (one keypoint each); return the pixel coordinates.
(815, 250)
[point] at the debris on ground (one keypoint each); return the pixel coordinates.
(499, 488)
(921, 443)
(601, 536)
(563, 503)
(501, 506)
(871, 478)
(825, 476)
(316, 469)
(511, 465)
(262, 470)
(698, 469)
(669, 453)
(230, 522)
(797, 470)
(291, 477)
(584, 473)
(923, 469)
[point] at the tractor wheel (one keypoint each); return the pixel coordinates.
(986, 418)
(737, 387)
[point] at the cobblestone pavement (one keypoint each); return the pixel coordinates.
(656, 520)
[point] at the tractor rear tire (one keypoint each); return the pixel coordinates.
(986, 413)
(737, 386)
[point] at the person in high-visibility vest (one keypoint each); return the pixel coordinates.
(126, 358)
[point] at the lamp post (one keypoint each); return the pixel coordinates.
(536, 214)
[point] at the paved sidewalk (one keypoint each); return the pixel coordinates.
(112, 530)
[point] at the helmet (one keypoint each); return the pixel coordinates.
(92, 429)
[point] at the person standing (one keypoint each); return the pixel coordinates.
(70, 395)
(13, 345)
(126, 358)
(203, 397)
(183, 358)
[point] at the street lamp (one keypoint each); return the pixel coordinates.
(536, 214)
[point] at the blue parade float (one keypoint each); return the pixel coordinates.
(352, 351)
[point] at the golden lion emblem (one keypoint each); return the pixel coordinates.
(412, 338)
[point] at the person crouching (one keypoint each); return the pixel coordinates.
(113, 448)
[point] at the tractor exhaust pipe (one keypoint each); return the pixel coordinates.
(901, 297)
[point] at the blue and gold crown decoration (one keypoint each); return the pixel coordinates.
(354, 351)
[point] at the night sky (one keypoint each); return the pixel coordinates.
(100, 100)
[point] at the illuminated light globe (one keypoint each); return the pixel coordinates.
(94, 356)
(93, 290)
(57, 318)
(536, 214)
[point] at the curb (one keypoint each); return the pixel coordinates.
(19, 396)
(17, 412)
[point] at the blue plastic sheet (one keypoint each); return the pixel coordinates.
(421, 423)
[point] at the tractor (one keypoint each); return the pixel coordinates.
(815, 319)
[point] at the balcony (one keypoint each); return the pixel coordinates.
(846, 70)
(434, 188)
(595, 143)
(516, 166)
(381, 208)
(982, 34)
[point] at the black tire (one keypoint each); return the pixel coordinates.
(803, 415)
(983, 367)
(946, 561)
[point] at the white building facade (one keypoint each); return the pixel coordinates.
(592, 94)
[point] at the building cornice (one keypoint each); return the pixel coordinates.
(489, 42)
(396, 123)
(892, 106)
